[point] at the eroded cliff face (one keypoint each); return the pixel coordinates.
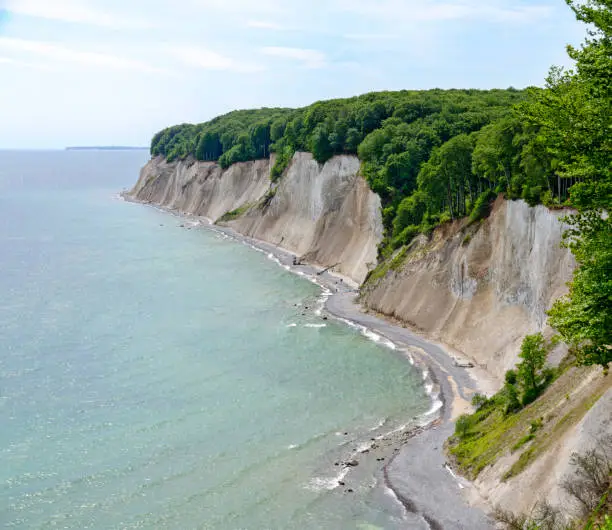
(202, 188)
(324, 213)
(480, 289)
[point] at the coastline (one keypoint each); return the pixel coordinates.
(415, 472)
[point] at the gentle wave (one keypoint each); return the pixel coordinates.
(327, 483)
(380, 424)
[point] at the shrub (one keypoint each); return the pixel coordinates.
(463, 425)
(283, 159)
(529, 396)
(234, 214)
(511, 377)
(482, 206)
(479, 401)
(525, 439)
(549, 200)
(512, 402)
(531, 374)
(405, 237)
(531, 194)
(592, 478)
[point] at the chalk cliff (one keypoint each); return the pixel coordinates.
(325, 213)
(482, 288)
(478, 288)
(201, 188)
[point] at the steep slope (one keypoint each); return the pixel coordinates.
(324, 213)
(480, 289)
(201, 188)
(575, 417)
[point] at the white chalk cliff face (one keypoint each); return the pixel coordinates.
(481, 293)
(324, 213)
(479, 289)
(202, 188)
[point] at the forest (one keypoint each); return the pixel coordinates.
(426, 153)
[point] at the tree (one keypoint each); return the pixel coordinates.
(530, 372)
(583, 318)
(353, 139)
(260, 139)
(463, 425)
(450, 169)
(399, 137)
(410, 212)
(575, 116)
(319, 144)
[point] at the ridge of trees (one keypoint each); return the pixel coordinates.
(415, 145)
(431, 155)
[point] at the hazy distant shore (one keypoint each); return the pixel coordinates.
(106, 148)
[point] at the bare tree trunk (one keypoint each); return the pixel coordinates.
(506, 173)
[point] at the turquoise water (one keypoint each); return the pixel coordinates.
(158, 377)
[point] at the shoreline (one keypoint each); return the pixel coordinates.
(416, 472)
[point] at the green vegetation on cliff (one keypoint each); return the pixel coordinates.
(575, 115)
(397, 135)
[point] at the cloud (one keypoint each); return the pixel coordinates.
(402, 11)
(74, 11)
(263, 24)
(57, 52)
(310, 58)
(242, 6)
(371, 36)
(209, 60)
(25, 64)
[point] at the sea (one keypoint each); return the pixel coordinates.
(155, 375)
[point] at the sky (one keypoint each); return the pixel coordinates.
(113, 72)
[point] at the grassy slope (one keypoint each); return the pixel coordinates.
(559, 409)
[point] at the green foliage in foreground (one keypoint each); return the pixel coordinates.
(584, 317)
(479, 435)
(574, 114)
